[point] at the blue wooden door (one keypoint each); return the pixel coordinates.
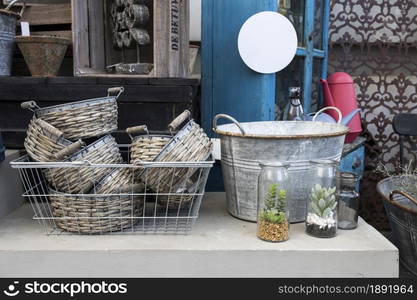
(311, 21)
(228, 85)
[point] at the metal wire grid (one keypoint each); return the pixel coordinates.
(128, 207)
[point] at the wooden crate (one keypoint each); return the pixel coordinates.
(168, 28)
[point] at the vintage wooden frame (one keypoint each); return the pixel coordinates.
(169, 30)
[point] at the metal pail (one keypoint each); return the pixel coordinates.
(7, 34)
(244, 145)
(401, 209)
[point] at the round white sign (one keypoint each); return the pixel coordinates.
(267, 42)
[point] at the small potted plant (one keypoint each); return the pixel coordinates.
(273, 225)
(322, 214)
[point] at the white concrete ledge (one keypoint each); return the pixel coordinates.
(219, 246)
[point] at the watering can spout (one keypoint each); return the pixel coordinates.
(328, 97)
(346, 119)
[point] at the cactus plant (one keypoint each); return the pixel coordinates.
(273, 225)
(323, 201)
(275, 201)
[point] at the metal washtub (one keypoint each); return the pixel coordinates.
(244, 145)
(401, 209)
(7, 34)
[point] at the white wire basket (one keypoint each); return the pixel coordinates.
(129, 207)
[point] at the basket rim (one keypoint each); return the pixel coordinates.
(72, 105)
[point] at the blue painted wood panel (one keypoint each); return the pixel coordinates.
(228, 85)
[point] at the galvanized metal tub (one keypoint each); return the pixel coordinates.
(401, 209)
(7, 34)
(244, 145)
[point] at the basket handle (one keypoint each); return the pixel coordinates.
(29, 105)
(68, 151)
(134, 188)
(339, 113)
(224, 116)
(115, 90)
(186, 114)
(48, 127)
(137, 130)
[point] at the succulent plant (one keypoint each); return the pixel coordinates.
(275, 201)
(323, 201)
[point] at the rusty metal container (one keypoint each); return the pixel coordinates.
(244, 145)
(7, 34)
(43, 54)
(401, 209)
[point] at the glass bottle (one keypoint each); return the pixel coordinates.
(322, 201)
(348, 200)
(273, 213)
(294, 110)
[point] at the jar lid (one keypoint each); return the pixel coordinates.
(348, 177)
(277, 164)
(324, 161)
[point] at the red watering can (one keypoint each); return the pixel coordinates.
(339, 91)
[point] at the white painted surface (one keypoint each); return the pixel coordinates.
(195, 20)
(219, 246)
(267, 42)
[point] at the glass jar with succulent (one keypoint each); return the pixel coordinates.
(273, 213)
(322, 203)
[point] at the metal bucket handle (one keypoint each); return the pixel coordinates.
(393, 202)
(12, 3)
(224, 116)
(115, 90)
(142, 129)
(339, 113)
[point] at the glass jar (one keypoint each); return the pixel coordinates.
(273, 213)
(321, 218)
(348, 200)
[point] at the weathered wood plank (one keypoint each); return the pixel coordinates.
(160, 46)
(96, 34)
(48, 14)
(80, 35)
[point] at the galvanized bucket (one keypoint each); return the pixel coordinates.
(401, 209)
(7, 34)
(244, 145)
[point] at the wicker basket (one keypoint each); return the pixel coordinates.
(44, 142)
(145, 147)
(81, 180)
(190, 144)
(83, 119)
(93, 214)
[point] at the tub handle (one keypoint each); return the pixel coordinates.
(339, 113)
(224, 116)
(409, 197)
(12, 3)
